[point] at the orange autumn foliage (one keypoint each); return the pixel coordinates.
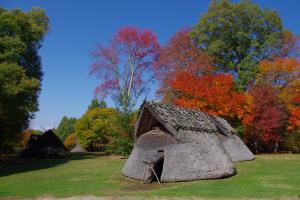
(294, 120)
(284, 74)
(214, 94)
(25, 137)
(288, 94)
(279, 72)
(70, 141)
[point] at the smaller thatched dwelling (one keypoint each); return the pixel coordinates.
(78, 148)
(182, 145)
(47, 145)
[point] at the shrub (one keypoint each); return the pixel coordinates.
(292, 142)
(70, 141)
(121, 146)
(96, 128)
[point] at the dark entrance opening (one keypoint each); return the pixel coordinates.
(158, 168)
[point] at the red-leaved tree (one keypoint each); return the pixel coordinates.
(180, 54)
(212, 93)
(125, 66)
(265, 125)
(294, 119)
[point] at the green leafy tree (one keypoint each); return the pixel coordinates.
(66, 127)
(21, 35)
(97, 126)
(123, 143)
(17, 101)
(96, 104)
(238, 36)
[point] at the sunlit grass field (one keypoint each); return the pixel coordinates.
(269, 176)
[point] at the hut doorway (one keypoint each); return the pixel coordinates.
(158, 168)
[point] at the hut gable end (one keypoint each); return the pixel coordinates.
(172, 118)
(149, 119)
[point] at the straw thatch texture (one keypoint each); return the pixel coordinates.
(173, 118)
(222, 125)
(146, 148)
(236, 149)
(191, 145)
(78, 148)
(233, 145)
(47, 145)
(200, 157)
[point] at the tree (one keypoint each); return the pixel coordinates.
(238, 36)
(17, 101)
(283, 73)
(180, 54)
(290, 46)
(26, 136)
(70, 141)
(66, 127)
(21, 35)
(122, 142)
(96, 104)
(97, 127)
(294, 120)
(125, 66)
(266, 123)
(292, 141)
(279, 72)
(214, 94)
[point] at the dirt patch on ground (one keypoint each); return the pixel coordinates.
(143, 187)
(132, 185)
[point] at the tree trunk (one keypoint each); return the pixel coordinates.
(255, 147)
(276, 147)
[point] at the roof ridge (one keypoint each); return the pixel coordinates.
(182, 118)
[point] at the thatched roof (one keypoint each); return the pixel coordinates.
(235, 148)
(175, 118)
(78, 148)
(181, 118)
(191, 145)
(47, 145)
(222, 125)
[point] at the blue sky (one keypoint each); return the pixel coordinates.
(77, 26)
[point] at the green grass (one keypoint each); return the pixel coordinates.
(269, 176)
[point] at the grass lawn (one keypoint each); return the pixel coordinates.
(269, 176)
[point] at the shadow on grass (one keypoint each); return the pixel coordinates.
(13, 165)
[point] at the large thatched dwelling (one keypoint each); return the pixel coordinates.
(182, 144)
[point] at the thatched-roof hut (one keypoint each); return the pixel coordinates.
(182, 144)
(47, 145)
(78, 148)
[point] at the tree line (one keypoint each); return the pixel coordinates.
(237, 62)
(98, 129)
